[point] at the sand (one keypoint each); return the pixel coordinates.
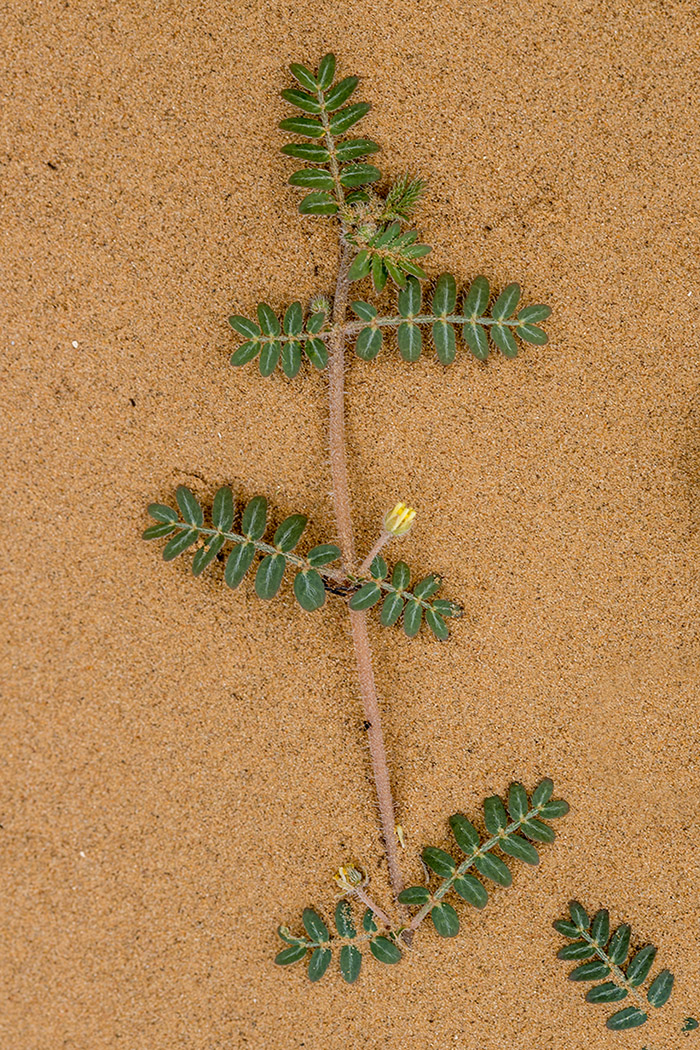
(183, 767)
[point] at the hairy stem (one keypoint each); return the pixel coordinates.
(358, 620)
(379, 546)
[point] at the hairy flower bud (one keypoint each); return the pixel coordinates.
(399, 520)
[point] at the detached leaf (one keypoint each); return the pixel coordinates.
(189, 507)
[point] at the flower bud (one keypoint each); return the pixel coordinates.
(399, 520)
(348, 877)
(320, 305)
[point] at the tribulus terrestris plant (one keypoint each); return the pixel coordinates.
(378, 245)
(608, 953)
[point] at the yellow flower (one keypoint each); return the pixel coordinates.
(399, 520)
(348, 877)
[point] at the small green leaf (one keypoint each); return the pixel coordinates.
(410, 298)
(309, 590)
(268, 320)
(379, 569)
(367, 596)
(359, 175)
(630, 1017)
(368, 922)
(238, 563)
(312, 178)
(439, 861)
(343, 919)
(660, 989)
(205, 555)
(306, 126)
(471, 890)
(245, 353)
(590, 971)
(392, 608)
(494, 815)
(506, 303)
(304, 76)
(323, 555)
(360, 266)
(311, 151)
(248, 329)
(567, 928)
(179, 543)
(445, 295)
(437, 625)
(401, 576)
(345, 118)
(288, 534)
(578, 913)
(302, 100)
(493, 868)
(445, 342)
(291, 359)
(445, 920)
(640, 964)
(317, 353)
(466, 835)
(159, 512)
(380, 274)
(517, 801)
(504, 340)
(530, 333)
(285, 933)
(368, 343)
(576, 950)
(155, 532)
(384, 950)
(350, 963)
(269, 357)
(290, 955)
(410, 341)
(537, 312)
(314, 926)
(318, 963)
(340, 93)
(394, 271)
(415, 895)
(520, 848)
(365, 311)
(600, 928)
(606, 993)
(619, 944)
(222, 509)
(352, 149)
(474, 336)
(255, 518)
(536, 830)
(690, 1024)
(557, 808)
(318, 204)
(189, 507)
(316, 322)
(477, 298)
(542, 793)
(412, 618)
(326, 71)
(269, 575)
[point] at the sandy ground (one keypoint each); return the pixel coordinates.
(183, 766)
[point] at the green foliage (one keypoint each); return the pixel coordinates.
(284, 343)
(505, 835)
(608, 956)
(319, 944)
(187, 528)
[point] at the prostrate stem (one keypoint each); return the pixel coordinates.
(358, 620)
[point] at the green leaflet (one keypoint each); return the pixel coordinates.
(521, 849)
(640, 964)
(340, 93)
(344, 119)
(369, 343)
(517, 801)
(410, 341)
(415, 895)
(445, 295)
(445, 920)
(494, 868)
(471, 890)
(190, 509)
(238, 563)
(385, 950)
(222, 509)
(439, 861)
(630, 1017)
(367, 596)
(343, 919)
(255, 518)
(318, 204)
(291, 955)
(314, 926)
(179, 543)
(205, 555)
(350, 963)
(323, 555)
(318, 963)
(302, 100)
(155, 532)
(608, 992)
(288, 534)
(495, 816)
(660, 989)
(600, 927)
(353, 149)
(326, 71)
(466, 835)
(269, 576)
(309, 590)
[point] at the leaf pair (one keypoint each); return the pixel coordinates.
(321, 944)
(320, 100)
(515, 839)
(414, 603)
(607, 952)
(282, 344)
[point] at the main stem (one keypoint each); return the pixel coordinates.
(358, 620)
